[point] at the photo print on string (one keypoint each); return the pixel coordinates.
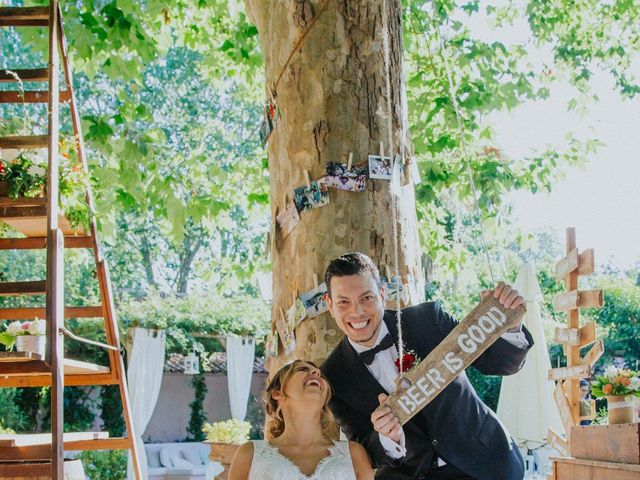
(380, 167)
(341, 177)
(270, 117)
(286, 335)
(288, 218)
(296, 313)
(271, 345)
(312, 196)
(315, 300)
(394, 289)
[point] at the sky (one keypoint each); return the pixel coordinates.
(601, 200)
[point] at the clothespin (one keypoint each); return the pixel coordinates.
(315, 280)
(387, 272)
(283, 317)
(350, 162)
(272, 94)
(307, 179)
(381, 151)
(295, 296)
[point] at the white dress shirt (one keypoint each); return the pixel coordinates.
(384, 370)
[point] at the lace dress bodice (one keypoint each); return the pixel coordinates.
(269, 464)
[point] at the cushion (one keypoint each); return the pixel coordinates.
(204, 455)
(165, 459)
(153, 458)
(192, 455)
(179, 462)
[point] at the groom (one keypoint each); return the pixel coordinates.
(456, 436)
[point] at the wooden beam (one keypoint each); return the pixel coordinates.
(587, 410)
(32, 439)
(31, 96)
(29, 313)
(25, 470)
(8, 75)
(586, 263)
(43, 451)
(567, 265)
(578, 299)
(24, 141)
(593, 355)
(466, 342)
(22, 201)
(563, 373)
(44, 380)
(587, 334)
(564, 408)
(24, 16)
(555, 441)
(19, 356)
(36, 243)
(23, 212)
(37, 287)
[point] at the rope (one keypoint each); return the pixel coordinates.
(70, 334)
(463, 143)
(394, 203)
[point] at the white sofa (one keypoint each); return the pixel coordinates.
(180, 461)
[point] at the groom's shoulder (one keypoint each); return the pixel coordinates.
(332, 363)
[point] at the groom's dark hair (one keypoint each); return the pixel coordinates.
(354, 263)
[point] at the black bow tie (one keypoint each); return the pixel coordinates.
(368, 355)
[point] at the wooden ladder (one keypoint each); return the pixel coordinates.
(44, 226)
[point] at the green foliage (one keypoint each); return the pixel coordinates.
(105, 464)
(198, 415)
(111, 410)
(11, 415)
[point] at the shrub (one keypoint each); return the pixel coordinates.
(104, 465)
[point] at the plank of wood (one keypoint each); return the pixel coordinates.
(28, 440)
(24, 16)
(579, 469)
(609, 443)
(29, 313)
(593, 355)
(587, 409)
(564, 408)
(557, 442)
(567, 265)
(37, 243)
(26, 470)
(44, 380)
(33, 223)
(587, 334)
(586, 263)
(22, 201)
(19, 356)
(9, 213)
(43, 452)
(578, 299)
(563, 373)
(76, 367)
(24, 141)
(31, 96)
(37, 287)
(472, 336)
(567, 335)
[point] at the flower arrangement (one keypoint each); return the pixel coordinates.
(17, 329)
(25, 174)
(229, 431)
(616, 382)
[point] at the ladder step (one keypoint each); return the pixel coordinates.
(43, 451)
(24, 16)
(21, 380)
(32, 221)
(32, 97)
(22, 201)
(24, 75)
(25, 470)
(27, 141)
(36, 243)
(37, 287)
(33, 312)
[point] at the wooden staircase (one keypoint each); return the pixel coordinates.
(45, 227)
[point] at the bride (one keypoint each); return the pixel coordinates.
(301, 430)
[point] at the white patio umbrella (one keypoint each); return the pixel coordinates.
(526, 405)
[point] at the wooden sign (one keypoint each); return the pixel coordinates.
(477, 332)
(586, 262)
(578, 299)
(579, 371)
(567, 335)
(567, 265)
(555, 441)
(593, 354)
(587, 334)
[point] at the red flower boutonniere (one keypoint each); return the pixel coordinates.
(408, 361)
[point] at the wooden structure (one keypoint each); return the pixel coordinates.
(472, 336)
(599, 452)
(44, 226)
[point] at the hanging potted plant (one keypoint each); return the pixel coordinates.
(25, 336)
(619, 386)
(225, 438)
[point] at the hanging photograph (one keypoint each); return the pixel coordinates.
(288, 218)
(270, 117)
(394, 289)
(287, 336)
(339, 176)
(380, 168)
(315, 301)
(271, 345)
(313, 196)
(296, 314)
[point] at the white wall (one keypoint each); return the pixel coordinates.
(171, 415)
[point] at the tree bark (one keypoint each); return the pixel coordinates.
(332, 98)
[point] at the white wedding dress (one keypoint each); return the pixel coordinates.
(269, 464)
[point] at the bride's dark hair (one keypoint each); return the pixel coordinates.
(275, 424)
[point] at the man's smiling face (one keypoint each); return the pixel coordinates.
(357, 305)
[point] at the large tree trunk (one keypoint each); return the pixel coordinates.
(332, 99)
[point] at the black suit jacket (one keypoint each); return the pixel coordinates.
(457, 425)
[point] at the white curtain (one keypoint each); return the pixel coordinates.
(526, 404)
(144, 375)
(240, 354)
